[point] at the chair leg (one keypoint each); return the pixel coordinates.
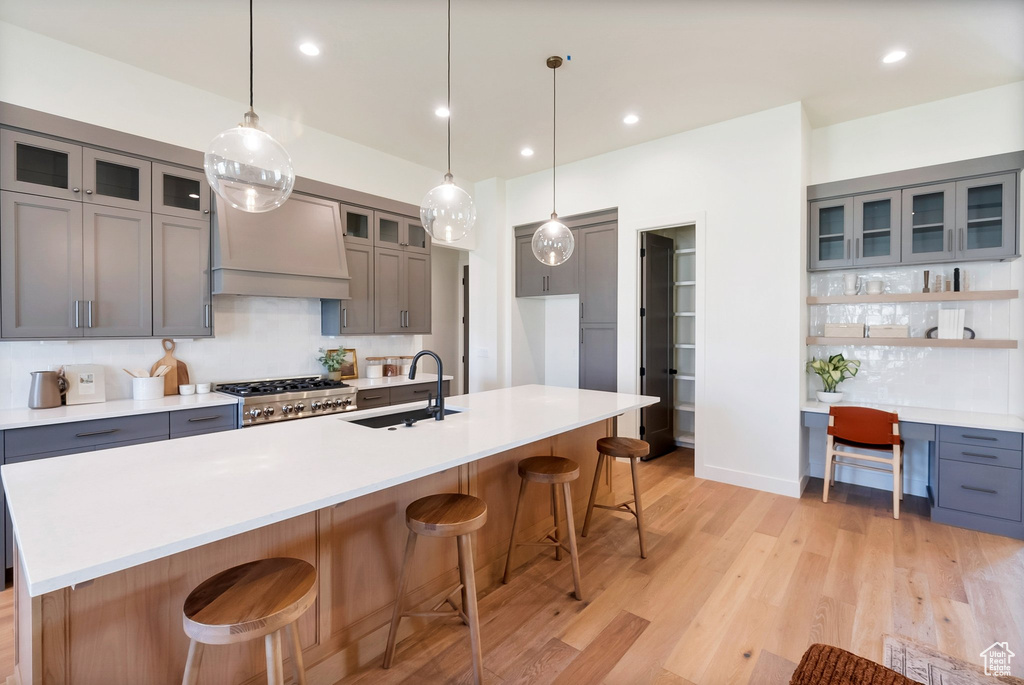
(829, 470)
(468, 574)
(554, 511)
(570, 524)
(195, 655)
(275, 665)
(396, 617)
(902, 475)
(639, 507)
(593, 495)
(297, 663)
(512, 538)
(897, 478)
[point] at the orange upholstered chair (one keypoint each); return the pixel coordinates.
(865, 429)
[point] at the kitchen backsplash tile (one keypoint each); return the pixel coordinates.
(256, 337)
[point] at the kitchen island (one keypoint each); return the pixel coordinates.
(109, 543)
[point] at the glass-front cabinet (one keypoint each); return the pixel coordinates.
(115, 180)
(876, 229)
(40, 166)
(986, 217)
(831, 233)
(358, 225)
(180, 192)
(402, 233)
(928, 219)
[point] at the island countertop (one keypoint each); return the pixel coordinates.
(83, 516)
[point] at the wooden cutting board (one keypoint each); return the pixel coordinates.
(178, 375)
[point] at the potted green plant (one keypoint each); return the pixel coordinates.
(832, 372)
(332, 361)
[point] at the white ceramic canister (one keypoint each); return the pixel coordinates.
(151, 388)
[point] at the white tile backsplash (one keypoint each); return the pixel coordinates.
(256, 337)
(942, 378)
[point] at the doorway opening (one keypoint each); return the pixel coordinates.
(668, 336)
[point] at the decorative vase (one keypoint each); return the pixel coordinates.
(829, 397)
(334, 375)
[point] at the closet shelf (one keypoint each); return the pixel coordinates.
(967, 296)
(685, 346)
(684, 438)
(687, 250)
(686, 314)
(682, 377)
(686, 406)
(686, 282)
(987, 343)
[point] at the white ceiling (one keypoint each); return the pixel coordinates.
(678, 64)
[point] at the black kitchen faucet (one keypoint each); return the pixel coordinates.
(436, 410)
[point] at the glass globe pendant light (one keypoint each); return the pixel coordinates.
(447, 211)
(245, 165)
(552, 241)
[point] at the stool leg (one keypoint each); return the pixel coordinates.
(298, 666)
(468, 573)
(396, 617)
(554, 512)
(275, 665)
(512, 537)
(639, 508)
(593, 495)
(195, 655)
(573, 552)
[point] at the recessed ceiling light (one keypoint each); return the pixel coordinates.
(526, 152)
(894, 56)
(442, 112)
(309, 49)
(630, 119)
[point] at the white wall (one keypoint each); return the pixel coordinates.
(445, 306)
(490, 291)
(562, 338)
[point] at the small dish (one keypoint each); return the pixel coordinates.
(189, 389)
(202, 388)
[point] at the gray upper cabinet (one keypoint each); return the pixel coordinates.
(986, 222)
(416, 269)
(416, 237)
(115, 180)
(388, 291)
(831, 233)
(534, 279)
(564, 279)
(180, 192)
(353, 316)
(400, 233)
(927, 225)
(181, 277)
(117, 258)
(40, 166)
(358, 226)
(876, 229)
(40, 267)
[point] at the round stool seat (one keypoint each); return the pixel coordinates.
(446, 515)
(549, 469)
(249, 601)
(623, 448)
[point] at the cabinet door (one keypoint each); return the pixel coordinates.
(564, 278)
(417, 289)
(181, 277)
(598, 350)
(927, 224)
(358, 225)
(357, 312)
(117, 249)
(531, 275)
(986, 222)
(388, 291)
(598, 269)
(180, 192)
(40, 166)
(388, 230)
(116, 180)
(831, 233)
(876, 229)
(416, 238)
(40, 266)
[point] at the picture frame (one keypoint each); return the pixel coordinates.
(350, 369)
(86, 383)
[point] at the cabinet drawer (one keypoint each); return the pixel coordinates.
(373, 397)
(203, 420)
(84, 434)
(987, 490)
(982, 438)
(990, 456)
(413, 393)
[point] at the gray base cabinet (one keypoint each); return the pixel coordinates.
(371, 398)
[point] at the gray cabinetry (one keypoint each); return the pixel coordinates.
(400, 233)
(534, 279)
(598, 266)
(353, 316)
(40, 266)
(831, 233)
(370, 398)
(986, 217)
(401, 292)
(118, 280)
(40, 166)
(928, 223)
(876, 229)
(183, 193)
(181, 277)
(416, 270)
(202, 420)
(116, 180)
(373, 397)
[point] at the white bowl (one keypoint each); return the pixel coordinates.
(189, 389)
(202, 388)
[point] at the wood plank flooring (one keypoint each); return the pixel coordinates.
(736, 585)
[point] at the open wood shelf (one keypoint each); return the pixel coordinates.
(968, 296)
(913, 342)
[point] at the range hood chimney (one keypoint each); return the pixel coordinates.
(296, 250)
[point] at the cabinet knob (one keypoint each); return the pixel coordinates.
(75, 190)
(88, 192)
(206, 211)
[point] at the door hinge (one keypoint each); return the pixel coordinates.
(463, 320)
(643, 372)
(643, 252)
(643, 431)
(643, 311)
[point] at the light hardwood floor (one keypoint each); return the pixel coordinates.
(736, 585)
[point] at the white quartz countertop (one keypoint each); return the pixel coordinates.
(83, 516)
(392, 381)
(23, 417)
(940, 417)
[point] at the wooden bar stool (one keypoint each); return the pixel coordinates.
(246, 602)
(623, 448)
(555, 471)
(448, 515)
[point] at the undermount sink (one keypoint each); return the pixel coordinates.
(400, 418)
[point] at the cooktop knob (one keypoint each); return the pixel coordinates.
(347, 402)
(336, 403)
(269, 411)
(255, 412)
(300, 407)
(315, 406)
(286, 409)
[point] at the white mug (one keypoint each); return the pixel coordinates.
(850, 286)
(875, 287)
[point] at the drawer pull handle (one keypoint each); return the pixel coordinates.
(974, 489)
(980, 437)
(975, 454)
(372, 397)
(106, 432)
(417, 392)
(203, 418)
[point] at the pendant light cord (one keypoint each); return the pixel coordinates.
(554, 124)
(449, 86)
(250, 55)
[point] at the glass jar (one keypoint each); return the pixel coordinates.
(406, 364)
(374, 367)
(392, 366)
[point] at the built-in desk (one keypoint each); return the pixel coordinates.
(975, 477)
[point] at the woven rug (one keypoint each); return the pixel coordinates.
(929, 666)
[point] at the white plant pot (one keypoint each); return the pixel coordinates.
(829, 397)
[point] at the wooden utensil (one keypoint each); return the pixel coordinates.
(177, 373)
(129, 373)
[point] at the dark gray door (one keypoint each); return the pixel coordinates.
(564, 278)
(416, 278)
(598, 279)
(986, 225)
(117, 249)
(388, 291)
(531, 275)
(181, 277)
(831, 233)
(657, 374)
(876, 229)
(928, 223)
(357, 313)
(597, 357)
